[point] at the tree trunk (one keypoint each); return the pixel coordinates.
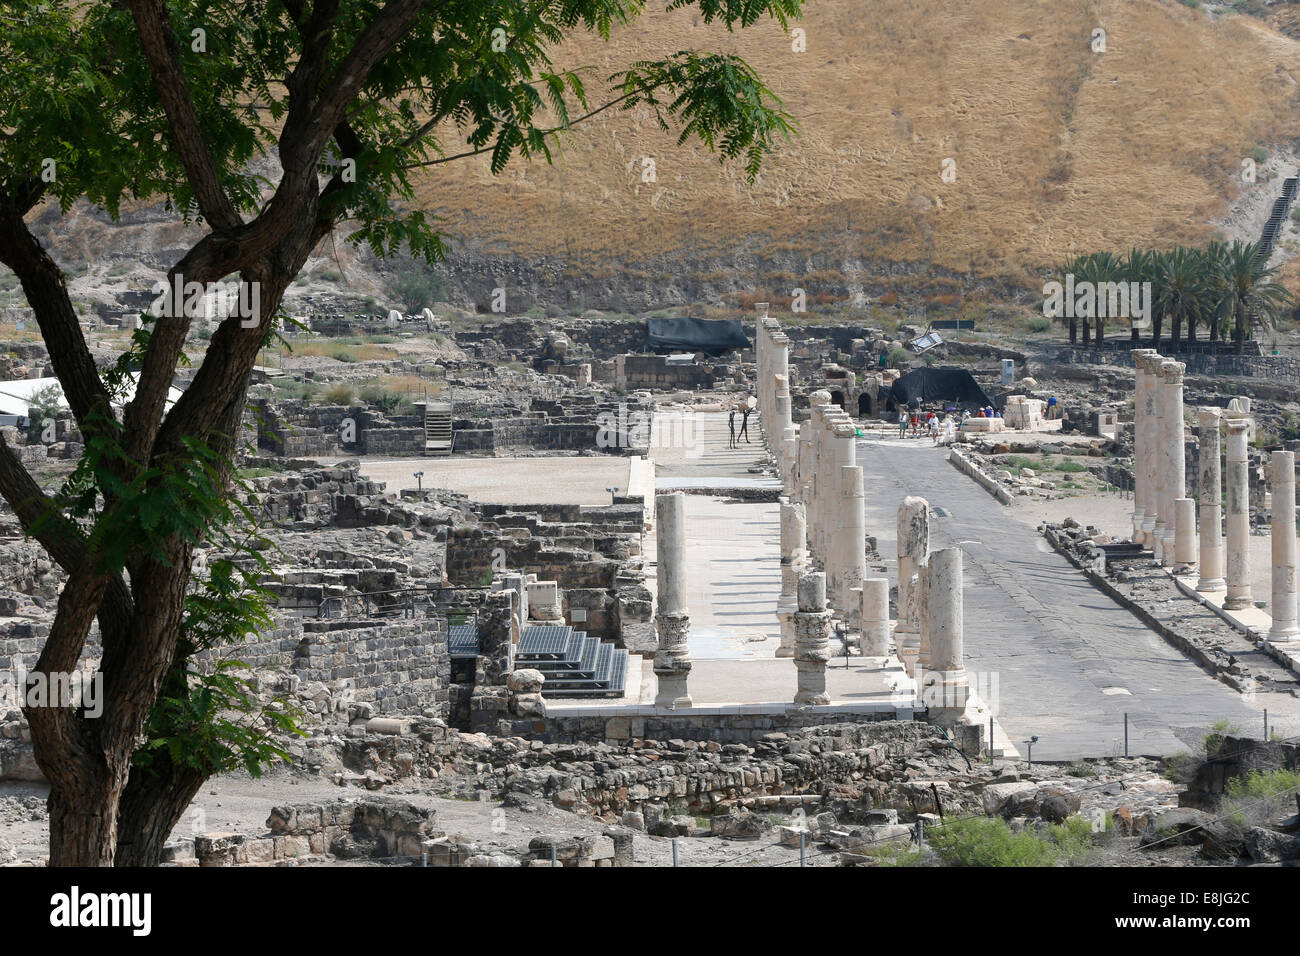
(1074, 331)
(85, 818)
(1157, 326)
(1176, 334)
(1087, 334)
(1239, 331)
(154, 801)
(1101, 332)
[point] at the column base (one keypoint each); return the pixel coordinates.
(1211, 584)
(1291, 632)
(672, 693)
(945, 690)
(787, 633)
(1237, 602)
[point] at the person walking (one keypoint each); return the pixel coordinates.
(934, 429)
(744, 426)
(902, 423)
(731, 427)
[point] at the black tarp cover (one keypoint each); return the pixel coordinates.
(938, 385)
(711, 336)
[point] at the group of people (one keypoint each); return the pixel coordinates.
(942, 428)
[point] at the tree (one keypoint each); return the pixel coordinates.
(188, 102)
(1247, 292)
(1181, 290)
(1143, 265)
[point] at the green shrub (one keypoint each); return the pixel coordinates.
(1220, 729)
(1081, 768)
(417, 286)
(343, 355)
(1039, 323)
(1261, 797)
(340, 394)
(991, 842)
(1070, 467)
(899, 355)
(383, 399)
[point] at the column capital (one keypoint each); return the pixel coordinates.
(1172, 372)
(1209, 417)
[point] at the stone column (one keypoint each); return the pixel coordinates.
(913, 546)
(793, 532)
(803, 478)
(790, 462)
(1151, 428)
(875, 617)
(1172, 456)
(1210, 492)
(817, 403)
(780, 369)
(812, 624)
(945, 686)
(850, 535)
(672, 621)
(1184, 533)
(1239, 595)
(1141, 451)
(1283, 604)
(923, 615)
(776, 428)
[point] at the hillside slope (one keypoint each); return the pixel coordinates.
(1057, 149)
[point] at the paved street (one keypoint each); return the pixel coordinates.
(1067, 661)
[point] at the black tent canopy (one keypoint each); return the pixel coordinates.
(711, 336)
(937, 385)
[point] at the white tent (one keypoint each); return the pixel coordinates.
(16, 397)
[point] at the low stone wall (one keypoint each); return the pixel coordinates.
(982, 478)
(726, 725)
(375, 827)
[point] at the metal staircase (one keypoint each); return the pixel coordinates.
(438, 436)
(575, 664)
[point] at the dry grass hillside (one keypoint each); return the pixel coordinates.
(1057, 148)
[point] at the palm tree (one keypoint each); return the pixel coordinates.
(1213, 261)
(1143, 265)
(1072, 267)
(1181, 290)
(1247, 291)
(1107, 267)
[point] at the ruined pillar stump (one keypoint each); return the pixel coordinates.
(793, 530)
(875, 617)
(812, 623)
(944, 684)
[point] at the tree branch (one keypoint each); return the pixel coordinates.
(158, 43)
(427, 128)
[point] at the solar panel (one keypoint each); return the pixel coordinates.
(462, 640)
